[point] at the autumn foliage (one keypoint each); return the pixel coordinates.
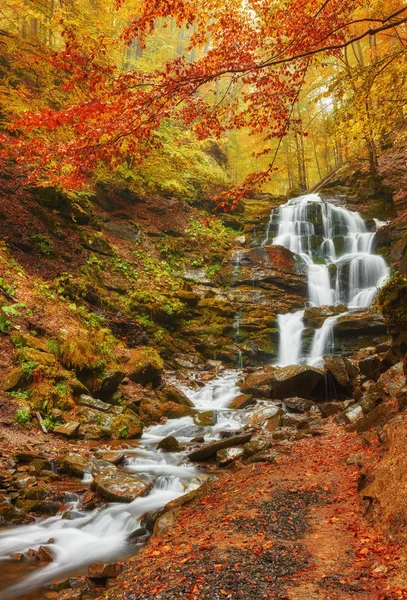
(244, 66)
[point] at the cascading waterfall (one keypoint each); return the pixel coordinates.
(103, 534)
(337, 249)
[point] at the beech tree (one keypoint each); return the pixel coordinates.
(241, 66)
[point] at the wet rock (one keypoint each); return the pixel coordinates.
(74, 464)
(360, 322)
(259, 383)
(115, 485)
(315, 316)
(187, 297)
(170, 393)
(242, 401)
(9, 514)
(69, 430)
(170, 444)
(226, 456)
(209, 450)
(126, 426)
(85, 400)
(39, 492)
(266, 417)
(298, 405)
(44, 554)
(206, 418)
(138, 536)
(343, 374)
(370, 367)
(145, 365)
(392, 381)
(27, 457)
(172, 410)
(100, 570)
(284, 382)
(197, 276)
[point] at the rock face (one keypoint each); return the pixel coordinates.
(266, 266)
(75, 464)
(284, 382)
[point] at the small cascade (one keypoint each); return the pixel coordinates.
(104, 534)
(291, 327)
(337, 249)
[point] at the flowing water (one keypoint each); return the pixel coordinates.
(103, 534)
(338, 252)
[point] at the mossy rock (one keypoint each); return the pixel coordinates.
(145, 365)
(170, 444)
(14, 380)
(126, 426)
(45, 359)
(170, 393)
(95, 242)
(206, 418)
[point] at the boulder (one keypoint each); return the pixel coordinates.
(100, 570)
(74, 464)
(110, 384)
(350, 415)
(116, 486)
(298, 405)
(69, 430)
(209, 450)
(145, 365)
(172, 410)
(207, 418)
(85, 400)
(170, 393)
(370, 367)
(170, 444)
(95, 242)
(315, 316)
(266, 417)
(360, 322)
(44, 554)
(226, 456)
(242, 401)
(343, 374)
(257, 444)
(259, 383)
(284, 382)
(377, 417)
(15, 379)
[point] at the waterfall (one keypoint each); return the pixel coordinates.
(337, 249)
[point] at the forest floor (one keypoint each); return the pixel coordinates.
(292, 530)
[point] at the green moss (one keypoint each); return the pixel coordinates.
(392, 300)
(43, 244)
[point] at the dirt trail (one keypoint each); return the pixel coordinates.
(292, 530)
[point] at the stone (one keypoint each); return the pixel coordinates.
(24, 480)
(280, 383)
(226, 456)
(145, 365)
(298, 405)
(41, 464)
(69, 430)
(266, 417)
(206, 418)
(267, 456)
(187, 297)
(209, 450)
(377, 417)
(170, 444)
(351, 414)
(74, 464)
(242, 401)
(85, 400)
(115, 485)
(100, 570)
(172, 410)
(360, 322)
(297, 421)
(257, 444)
(343, 373)
(110, 384)
(95, 242)
(15, 379)
(44, 554)
(315, 316)
(329, 409)
(170, 393)
(370, 367)
(259, 383)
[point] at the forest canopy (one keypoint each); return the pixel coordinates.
(102, 85)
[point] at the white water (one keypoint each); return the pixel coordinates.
(101, 535)
(337, 249)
